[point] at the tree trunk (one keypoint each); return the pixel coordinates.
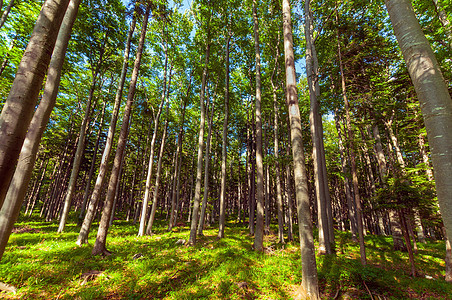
(147, 190)
(195, 214)
(100, 244)
(444, 21)
(433, 95)
(348, 194)
(359, 218)
(279, 200)
(16, 193)
(406, 236)
(309, 269)
(157, 179)
(80, 146)
(6, 12)
(91, 169)
(84, 231)
(315, 121)
(19, 106)
(224, 144)
(259, 232)
(177, 166)
(206, 167)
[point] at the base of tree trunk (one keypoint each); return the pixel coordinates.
(100, 250)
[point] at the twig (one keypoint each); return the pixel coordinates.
(371, 297)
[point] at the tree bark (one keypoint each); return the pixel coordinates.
(259, 232)
(147, 190)
(195, 214)
(309, 269)
(315, 121)
(206, 167)
(100, 244)
(81, 144)
(359, 218)
(6, 13)
(433, 95)
(16, 193)
(224, 143)
(157, 179)
(86, 225)
(19, 106)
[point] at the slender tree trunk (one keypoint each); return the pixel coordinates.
(206, 167)
(407, 241)
(348, 194)
(308, 263)
(177, 167)
(442, 16)
(147, 190)
(359, 217)
(259, 232)
(315, 121)
(91, 170)
(95, 196)
(100, 244)
(80, 147)
(6, 13)
(279, 200)
(433, 95)
(224, 141)
(197, 196)
(16, 193)
(157, 179)
(19, 106)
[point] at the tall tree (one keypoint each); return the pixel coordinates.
(433, 95)
(101, 239)
(308, 263)
(95, 196)
(16, 193)
(19, 106)
(259, 232)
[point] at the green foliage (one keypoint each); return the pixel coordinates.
(46, 265)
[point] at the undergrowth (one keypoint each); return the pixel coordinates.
(42, 264)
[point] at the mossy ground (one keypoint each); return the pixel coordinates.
(42, 264)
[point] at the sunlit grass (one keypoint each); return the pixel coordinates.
(42, 264)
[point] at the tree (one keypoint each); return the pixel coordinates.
(101, 239)
(309, 269)
(259, 233)
(19, 107)
(18, 187)
(433, 95)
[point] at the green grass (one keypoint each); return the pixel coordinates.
(42, 264)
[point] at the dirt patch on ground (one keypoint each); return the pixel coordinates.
(25, 229)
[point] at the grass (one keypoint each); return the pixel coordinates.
(42, 264)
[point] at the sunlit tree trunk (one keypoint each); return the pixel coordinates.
(95, 196)
(177, 166)
(206, 167)
(224, 144)
(6, 13)
(18, 188)
(433, 95)
(279, 200)
(308, 263)
(19, 106)
(157, 178)
(315, 121)
(81, 143)
(359, 217)
(100, 244)
(259, 232)
(197, 196)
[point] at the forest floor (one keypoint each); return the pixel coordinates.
(42, 264)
